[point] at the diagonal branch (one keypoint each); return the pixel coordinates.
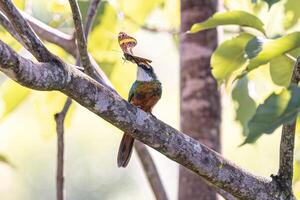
(11, 30)
(142, 126)
(61, 39)
(81, 38)
(95, 73)
(32, 42)
(285, 173)
(150, 171)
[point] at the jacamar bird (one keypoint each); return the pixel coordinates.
(144, 93)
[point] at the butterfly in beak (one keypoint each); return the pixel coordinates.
(127, 43)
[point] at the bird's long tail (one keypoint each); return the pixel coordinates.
(125, 150)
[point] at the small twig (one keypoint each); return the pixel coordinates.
(151, 171)
(10, 29)
(285, 173)
(91, 14)
(60, 118)
(93, 72)
(80, 37)
(33, 43)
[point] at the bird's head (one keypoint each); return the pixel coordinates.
(145, 72)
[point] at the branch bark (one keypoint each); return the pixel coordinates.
(11, 30)
(142, 126)
(287, 142)
(33, 43)
(81, 41)
(59, 119)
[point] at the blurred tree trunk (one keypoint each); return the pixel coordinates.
(200, 101)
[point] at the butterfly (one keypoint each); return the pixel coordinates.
(127, 43)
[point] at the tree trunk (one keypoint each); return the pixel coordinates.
(200, 100)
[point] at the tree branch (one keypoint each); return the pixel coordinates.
(11, 30)
(81, 38)
(33, 43)
(95, 73)
(150, 171)
(91, 14)
(141, 125)
(59, 119)
(67, 42)
(286, 158)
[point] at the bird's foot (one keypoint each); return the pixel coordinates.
(152, 115)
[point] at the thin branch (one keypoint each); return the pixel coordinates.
(141, 125)
(10, 29)
(33, 43)
(150, 171)
(86, 62)
(285, 173)
(80, 37)
(91, 14)
(67, 42)
(60, 118)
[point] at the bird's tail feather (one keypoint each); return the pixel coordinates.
(125, 150)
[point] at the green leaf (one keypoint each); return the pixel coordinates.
(12, 95)
(254, 46)
(236, 17)
(281, 69)
(229, 57)
(291, 13)
(276, 110)
(275, 48)
(271, 2)
(246, 105)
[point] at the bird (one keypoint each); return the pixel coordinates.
(145, 92)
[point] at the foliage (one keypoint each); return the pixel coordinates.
(237, 57)
(276, 110)
(229, 57)
(236, 17)
(246, 105)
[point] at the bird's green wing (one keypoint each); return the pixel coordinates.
(132, 90)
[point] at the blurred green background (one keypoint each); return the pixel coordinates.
(27, 127)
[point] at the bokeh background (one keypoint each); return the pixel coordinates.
(27, 127)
